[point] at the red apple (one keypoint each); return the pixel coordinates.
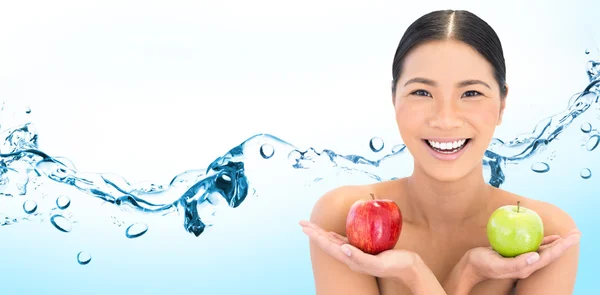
(374, 226)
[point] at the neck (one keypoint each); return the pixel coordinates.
(447, 203)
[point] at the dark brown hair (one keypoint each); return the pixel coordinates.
(458, 25)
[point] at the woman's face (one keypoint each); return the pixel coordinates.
(447, 105)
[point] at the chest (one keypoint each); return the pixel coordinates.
(441, 252)
(497, 287)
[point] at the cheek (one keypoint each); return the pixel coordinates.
(407, 119)
(486, 118)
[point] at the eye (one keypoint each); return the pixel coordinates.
(471, 93)
(420, 92)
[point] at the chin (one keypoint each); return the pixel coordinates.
(446, 174)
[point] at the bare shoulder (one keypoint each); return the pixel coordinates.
(330, 275)
(556, 221)
(559, 276)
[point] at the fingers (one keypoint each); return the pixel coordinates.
(309, 224)
(553, 251)
(557, 248)
(574, 231)
(329, 242)
(362, 262)
(319, 230)
(345, 253)
(326, 243)
(550, 239)
(335, 237)
(304, 223)
(337, 246)
(524, 265)
(512, 267)
(548, 242)
(339, 237)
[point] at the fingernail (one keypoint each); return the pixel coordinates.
(533, 258)
(346, 251)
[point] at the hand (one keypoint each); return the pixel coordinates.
(395, 263)
(485, 263)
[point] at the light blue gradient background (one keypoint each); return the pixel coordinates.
(115, 85)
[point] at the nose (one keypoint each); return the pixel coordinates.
(446, 116)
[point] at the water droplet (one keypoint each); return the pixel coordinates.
(592, 143)
(136, 230)
(540, 167)
(267, 151)
(587, 51)
(84, 258)
(63, 202)
(27, 110)
(294, 155)
(376, 144)
(61, 223)
(585, 173)
(586, 127)
(29, 206)
(398, 148)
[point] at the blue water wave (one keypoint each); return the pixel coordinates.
(195, 194)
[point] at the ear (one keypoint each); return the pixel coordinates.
(502, 104)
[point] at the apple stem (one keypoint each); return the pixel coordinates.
(372, 196)
(518, 206)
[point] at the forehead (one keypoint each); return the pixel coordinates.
(447, 61)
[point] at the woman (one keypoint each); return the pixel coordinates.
(449, 93)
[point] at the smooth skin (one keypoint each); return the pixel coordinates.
(446, 90)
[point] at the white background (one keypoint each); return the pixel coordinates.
(148, 89)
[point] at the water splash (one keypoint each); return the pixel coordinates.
(398, 148)
(198, 195)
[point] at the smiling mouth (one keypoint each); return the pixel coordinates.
(447, 147)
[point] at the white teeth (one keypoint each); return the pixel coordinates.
(447, 145)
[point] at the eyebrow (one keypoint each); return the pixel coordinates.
(459, 84)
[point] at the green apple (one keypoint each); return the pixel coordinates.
(514, 230)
